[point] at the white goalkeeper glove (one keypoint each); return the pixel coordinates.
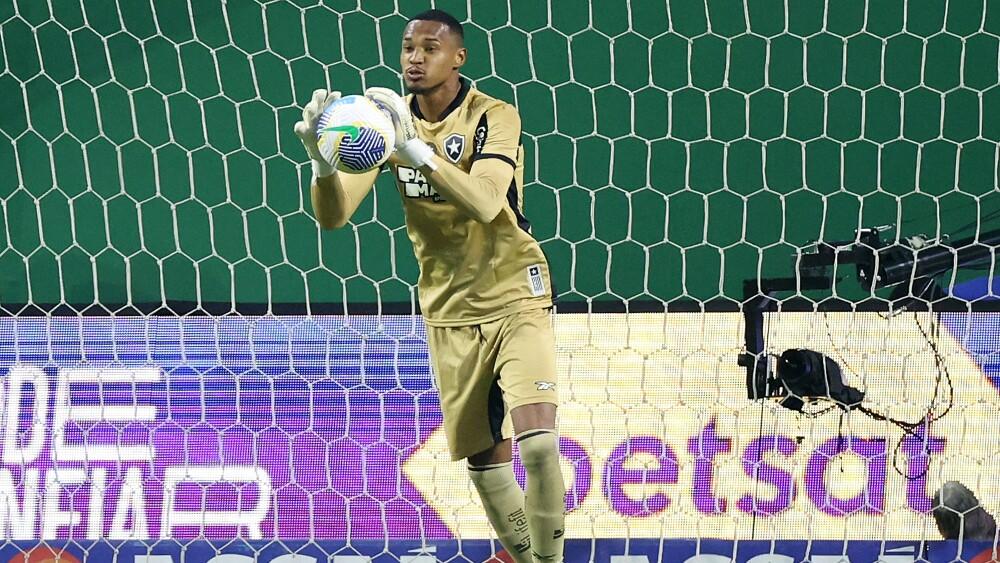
(410, 149)
(306, 130)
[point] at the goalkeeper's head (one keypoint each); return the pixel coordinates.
(433, 51)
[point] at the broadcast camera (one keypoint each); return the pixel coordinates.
(908, 266)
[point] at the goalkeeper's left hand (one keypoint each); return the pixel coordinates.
(409, 148)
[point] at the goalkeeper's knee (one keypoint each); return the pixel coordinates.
(538, 448)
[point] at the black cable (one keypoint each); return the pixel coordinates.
(922, 218)
(908, 428)
(978, 222)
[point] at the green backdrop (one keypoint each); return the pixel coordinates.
(674, 149)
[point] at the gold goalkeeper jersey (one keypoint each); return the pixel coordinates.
(472, 272)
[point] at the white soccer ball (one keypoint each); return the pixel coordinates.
(355, 135)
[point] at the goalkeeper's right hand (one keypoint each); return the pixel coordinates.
(410, 149)
(306, 130)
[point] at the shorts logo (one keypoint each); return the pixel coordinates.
(545, 385)
(454, 146)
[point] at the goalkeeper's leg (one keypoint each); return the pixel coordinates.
(534, 518)
(545, 491)
(493, 475)
(527, 366)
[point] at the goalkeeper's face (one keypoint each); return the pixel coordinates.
(431, 55)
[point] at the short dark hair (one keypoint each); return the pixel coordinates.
(443, 17)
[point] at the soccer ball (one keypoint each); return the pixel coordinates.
(355, 134)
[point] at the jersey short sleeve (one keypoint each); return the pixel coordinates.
(498, 135)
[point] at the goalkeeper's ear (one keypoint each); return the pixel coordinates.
(461, 54)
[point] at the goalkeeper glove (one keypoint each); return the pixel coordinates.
(410, 149)
(306, 130)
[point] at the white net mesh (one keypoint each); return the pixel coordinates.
(191, 364)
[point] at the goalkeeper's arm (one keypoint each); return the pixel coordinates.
(481, 193)
(336, 197)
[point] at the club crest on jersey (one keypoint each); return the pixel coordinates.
(454, 146)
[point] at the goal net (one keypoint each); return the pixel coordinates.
(193, 371)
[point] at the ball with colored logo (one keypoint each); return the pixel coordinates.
(355, 134)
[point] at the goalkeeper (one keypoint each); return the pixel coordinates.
(484, 283)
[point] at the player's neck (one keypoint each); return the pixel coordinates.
(433, 103)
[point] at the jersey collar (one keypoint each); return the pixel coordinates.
(463, 91)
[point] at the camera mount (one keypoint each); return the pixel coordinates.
(908, 266)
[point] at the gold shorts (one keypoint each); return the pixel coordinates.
(483, 371)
